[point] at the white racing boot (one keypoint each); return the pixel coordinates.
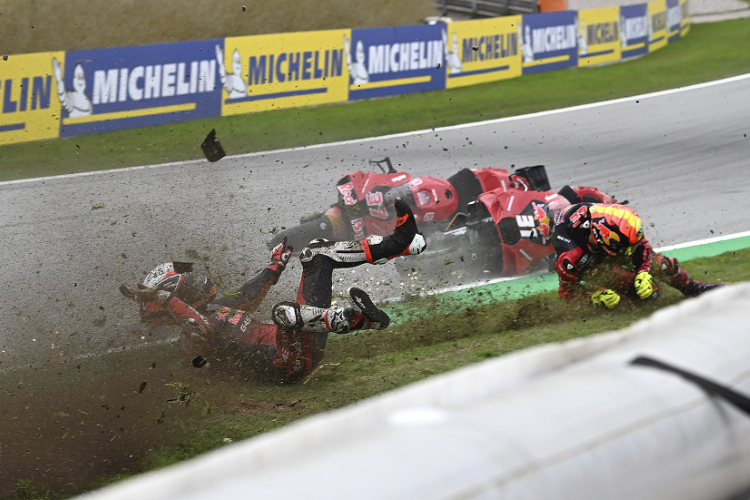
(360, 315)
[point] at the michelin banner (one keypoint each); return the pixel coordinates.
(58, 94)
(481, 51)
(30, 98)
(674, 20)
(112, 89)
(391, 61)
(598, 36)
(657, 34)
(550, 41)
(634, 30)
(264, 72)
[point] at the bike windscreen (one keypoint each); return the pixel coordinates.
(404, 192)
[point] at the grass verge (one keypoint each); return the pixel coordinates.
(711, 51)
(362, 366)
(120, 429)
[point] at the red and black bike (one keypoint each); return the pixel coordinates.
(486, 222)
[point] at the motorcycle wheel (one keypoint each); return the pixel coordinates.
(299, 236)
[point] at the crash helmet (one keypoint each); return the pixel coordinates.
(177, 278)
(617, 229)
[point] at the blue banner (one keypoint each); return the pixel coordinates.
(634, 30)
(127, 87)
(400, 60)
(549, 41)
(674, 20)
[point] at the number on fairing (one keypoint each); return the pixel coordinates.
(346, 191)
(374, 198)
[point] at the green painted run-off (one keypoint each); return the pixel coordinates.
(512, 289)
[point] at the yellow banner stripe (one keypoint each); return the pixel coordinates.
(391, 83)
(548, 60)
(130, 114)
(634, 46)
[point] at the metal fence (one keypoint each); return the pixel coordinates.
(488, 8)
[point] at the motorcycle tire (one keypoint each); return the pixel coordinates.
(299, 236)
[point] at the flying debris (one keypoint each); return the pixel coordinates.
(212, 147)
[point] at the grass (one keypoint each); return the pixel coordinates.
(709, 52)
(358, 367)
(184, 412)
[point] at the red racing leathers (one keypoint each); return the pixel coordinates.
(227, 330)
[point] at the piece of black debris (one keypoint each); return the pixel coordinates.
(142, 387)
(244, 8)
(212, 147)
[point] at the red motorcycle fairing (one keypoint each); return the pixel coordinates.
(435, 199)
(523, 225)
(367, 199)
(494, 178)
(364, 198)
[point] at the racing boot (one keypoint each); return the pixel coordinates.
(679, 279)
(405, 240)
(361, 314)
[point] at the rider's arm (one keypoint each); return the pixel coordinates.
(198, 334)
(567, 269)
(642, 256)
(250, 294)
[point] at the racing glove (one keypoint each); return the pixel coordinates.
(644, 285)
(280, 256)
(609, 298)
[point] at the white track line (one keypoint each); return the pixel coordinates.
(400, 135)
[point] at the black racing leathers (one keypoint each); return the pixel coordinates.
(577, 255)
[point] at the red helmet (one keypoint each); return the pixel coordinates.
(616, 228)
(194, 289)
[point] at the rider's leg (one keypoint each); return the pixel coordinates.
(405, 240)
(361, 314)
(668, 269)
(311, 317)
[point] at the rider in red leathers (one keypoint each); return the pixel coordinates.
(590, 234)
(290, 348)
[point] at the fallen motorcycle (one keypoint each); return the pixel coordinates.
(503, 233)
(365, 201)
(479, 224)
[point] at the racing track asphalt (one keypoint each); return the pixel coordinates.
(680, 158)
